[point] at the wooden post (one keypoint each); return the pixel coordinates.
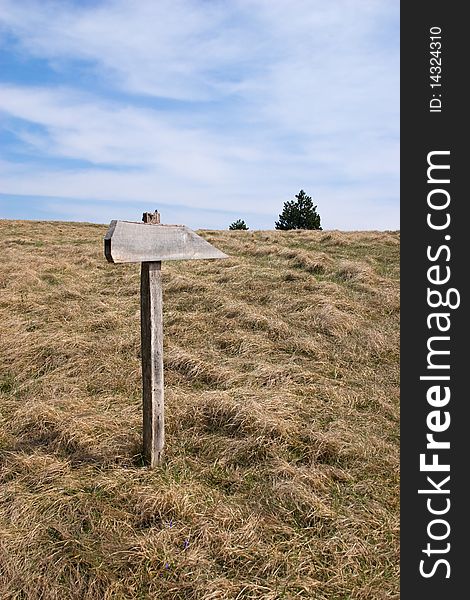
(149, 243)
(151, 326)
(151, 321)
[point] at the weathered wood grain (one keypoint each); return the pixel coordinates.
(141, 242)
(152, 362)
(151, 217)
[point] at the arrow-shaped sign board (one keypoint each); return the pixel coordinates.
(138, 242)
(149, 243)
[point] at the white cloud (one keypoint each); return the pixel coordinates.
(81, 127)
(271, 96)
(168, 48)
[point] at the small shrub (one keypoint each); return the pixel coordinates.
(238, 224)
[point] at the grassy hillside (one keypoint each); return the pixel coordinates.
(281, 472)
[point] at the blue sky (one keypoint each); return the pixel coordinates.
(208, 110)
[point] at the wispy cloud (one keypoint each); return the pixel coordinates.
(217, 105)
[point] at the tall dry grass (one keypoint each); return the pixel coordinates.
(281, 471)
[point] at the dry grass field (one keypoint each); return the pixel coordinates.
(281, 471)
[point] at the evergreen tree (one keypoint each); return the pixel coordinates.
(299, 214)
(238, 224)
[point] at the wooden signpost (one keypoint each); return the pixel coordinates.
(149, 243)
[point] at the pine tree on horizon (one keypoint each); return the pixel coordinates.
(299, 214)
